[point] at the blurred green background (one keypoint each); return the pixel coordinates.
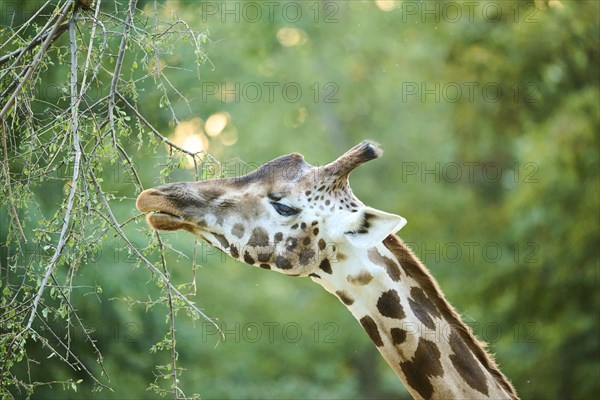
(488, 114)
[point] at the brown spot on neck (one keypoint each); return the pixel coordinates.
(466, 365)
(345, 297)
(419, 296)
(422, 307)
(389, 305)
(325, 266)
(360, 279)
(422, 367)
(391, 267)
(398, 335)
(415, 269)
(248, 258)
(234, 251)
(371, 328)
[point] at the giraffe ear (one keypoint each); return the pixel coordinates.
(369, 226)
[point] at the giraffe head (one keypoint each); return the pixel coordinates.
(287, 215)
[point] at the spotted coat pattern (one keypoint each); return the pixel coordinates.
(300, 220)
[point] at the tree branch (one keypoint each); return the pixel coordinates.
(34, 43)
(140, 256)
(29, 21)
(13, 208)
(117, 71)
(160, 135)
(171, 319)
(46, 343)
(75, 133)
(38, 57)
(89, 53)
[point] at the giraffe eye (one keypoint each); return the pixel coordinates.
(284, 210)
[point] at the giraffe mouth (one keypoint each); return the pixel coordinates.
(160, 213)
(165, 221)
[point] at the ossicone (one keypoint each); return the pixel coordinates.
(366, 150)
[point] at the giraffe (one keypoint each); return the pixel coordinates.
(301, 220)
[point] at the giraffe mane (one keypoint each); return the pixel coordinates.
(416, 270)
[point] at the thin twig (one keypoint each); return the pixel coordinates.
(194, 266)
(27, 23)
(134, 173)
(194, 261)
(38, 57)
(77, 161)
(45, 29)
(153, 129)
(85, 332)
(89, 52)
(138, 115)
(69, 352)
(171, 317)
(34, 43)
(11, 199)
(140, 256)
(117, 71)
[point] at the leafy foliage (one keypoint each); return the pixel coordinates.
(489, 121)
(65, 148)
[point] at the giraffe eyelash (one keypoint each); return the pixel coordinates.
(284, 210)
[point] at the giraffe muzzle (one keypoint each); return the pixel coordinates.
(161, 214)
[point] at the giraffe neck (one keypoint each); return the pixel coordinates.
(418, 333)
